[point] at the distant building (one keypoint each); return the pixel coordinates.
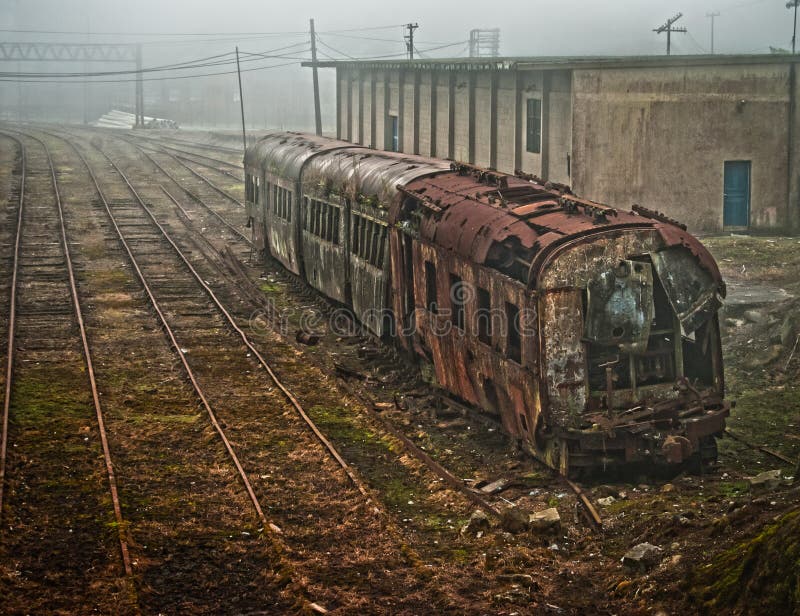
(709, 140)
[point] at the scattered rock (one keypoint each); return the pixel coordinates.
(642, 557)
(789, 329)
(514, 520)
(667, 487)
(605, 502)
(478, 523)
(768, 480)
(755, 316)
(549, 519)
(605, 490)
(516, 594)
(520, 579)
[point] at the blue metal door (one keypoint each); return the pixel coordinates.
(736, 200)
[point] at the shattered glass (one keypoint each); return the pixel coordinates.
(620, 306)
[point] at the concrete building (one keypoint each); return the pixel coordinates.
(709, 140)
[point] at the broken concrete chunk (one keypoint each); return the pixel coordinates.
(514, 520)
(642, 557)
(477, 523)
(549, 519)
(494, 487)
(768, 480)
(521, 579)
(605, 502)
(755, 316)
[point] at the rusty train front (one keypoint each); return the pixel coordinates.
(591, 332)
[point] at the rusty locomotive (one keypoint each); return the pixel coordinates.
(591, 332)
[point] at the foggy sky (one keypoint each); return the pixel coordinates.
(279, 97)
(528, 27)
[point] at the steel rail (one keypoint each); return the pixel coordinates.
(87, 354)
(272, 528)
(175, 180)
(176, 347)
(243, 336)
(12, 314)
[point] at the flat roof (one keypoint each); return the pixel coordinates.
(562, 62)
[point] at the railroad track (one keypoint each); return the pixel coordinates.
(194, 338)
(590, 512)
(46, 352)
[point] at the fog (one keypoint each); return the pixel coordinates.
(280, 96)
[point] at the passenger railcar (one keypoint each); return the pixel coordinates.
(591, 332)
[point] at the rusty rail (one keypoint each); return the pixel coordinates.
(112, 480)
(11, 328)
(766, 450)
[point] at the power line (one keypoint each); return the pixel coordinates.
(258, 68)
(190, 64)
(667, 27)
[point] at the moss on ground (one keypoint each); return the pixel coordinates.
(758, 576)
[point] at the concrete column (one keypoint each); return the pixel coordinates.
(493, 119)
(434, 109)
(401, 111)
(546, 78)
(471, 121)
(341, 113)
(518, 122)
(373, 119)
(349, 98)
(360, 139)
(417, 77)
(387, 93)
(451, 116)
(793, 136)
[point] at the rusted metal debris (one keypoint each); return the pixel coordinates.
(590, 331)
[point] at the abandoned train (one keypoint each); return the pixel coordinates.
(591, 332)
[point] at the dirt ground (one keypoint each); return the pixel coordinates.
(722, 545)
(725, 547)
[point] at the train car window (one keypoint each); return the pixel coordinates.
(274, 199)
(430, 288)
(381, 248)
(248, 188)
(534, 125)
(289, 205)
(457, 292)
(354, 239)
(337, 217)
(513, 333)
(484, 316)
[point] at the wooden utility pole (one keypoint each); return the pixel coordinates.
(410, 39)
(241, 100)
(139, 88)
(315, 77)
(667, 27)
(712, 15)
(793, 4)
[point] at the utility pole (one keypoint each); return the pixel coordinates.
(789, 5)
(410, 39)
(139, 88)
(667, 27)
(712, 15)
(315, 76)
(241, 100)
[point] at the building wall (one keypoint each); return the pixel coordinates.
(660, 137)
(657, 136)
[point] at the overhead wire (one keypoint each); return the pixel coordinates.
(244, 70)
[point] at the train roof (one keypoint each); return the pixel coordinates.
(516, 223)
(370, 173)
(512, 223)
(285, 152)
